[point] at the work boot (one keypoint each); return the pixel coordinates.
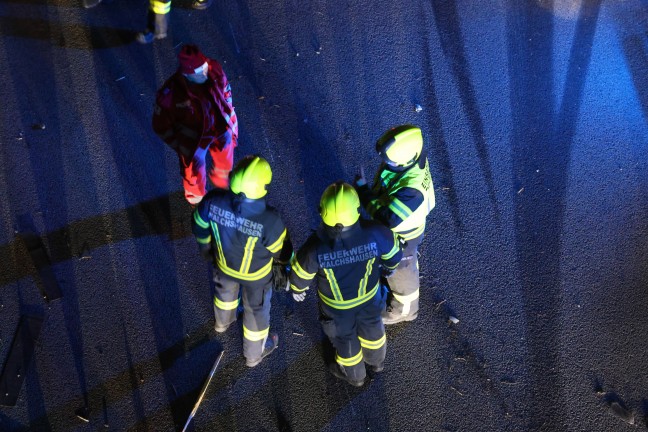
(270, 345)
(337, 372)
(388, 317)
(201, 4)
(156, 28)
(377, 369)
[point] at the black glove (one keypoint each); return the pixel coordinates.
(386, 272)
(206, 252)
(280, 277)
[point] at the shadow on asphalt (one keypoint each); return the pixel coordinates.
(448, 26)
(88, 38)
(542, 141)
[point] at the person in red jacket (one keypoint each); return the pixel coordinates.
(194, 115)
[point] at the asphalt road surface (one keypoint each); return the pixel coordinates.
(534, 115)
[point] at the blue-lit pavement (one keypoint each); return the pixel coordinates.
(534, 268)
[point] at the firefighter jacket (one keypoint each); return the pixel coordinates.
(189, 115)
(246, 235)
(401, 199)
(347, 267)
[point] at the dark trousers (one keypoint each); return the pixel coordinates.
(256, 297)
(358, 335)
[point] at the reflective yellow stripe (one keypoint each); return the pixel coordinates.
(362, 289)
(274, 247)
(219, 246)
(352, 361)
(404, 299)
(159, 7)
(334, 285)
(299, 271)
(259, 274)
(400, 209)
(247, 255)
(297, 289)
(413, 234)
(255, 335)
(204, 240)
(222, 264)
(199, 221)
(223, 305)
(393, 251)
(348, 304)
(364, 343)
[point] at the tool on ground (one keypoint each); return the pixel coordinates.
(203, 391)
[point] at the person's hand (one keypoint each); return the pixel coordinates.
(280, 277)
(206, 252)
(299, 297)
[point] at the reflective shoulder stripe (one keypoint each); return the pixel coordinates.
(160, 7)
(364, 343)
(274, 247)
(337, 294)
(247, 255)
(393, 251)
(254, 336)
(348, 304)
(406, 298)
(199, 221)
(299, 271)
(203, 240)
(223, 305)
(362, 288)
(219, 247)
(400, 209)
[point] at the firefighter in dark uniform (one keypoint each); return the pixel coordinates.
(401, 198)
(249, 244)
(346, 255)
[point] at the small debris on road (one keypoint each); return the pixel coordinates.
(460, 394)
(418, 108)
(120, 78)
(453, 320)
(38, 126)
(83, 413)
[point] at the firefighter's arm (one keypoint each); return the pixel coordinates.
(304, 267)
(202, 231)
(399, 207)
(391, 251)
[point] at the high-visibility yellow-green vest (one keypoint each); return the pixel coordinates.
(412, 214)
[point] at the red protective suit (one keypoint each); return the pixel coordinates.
(194, 119)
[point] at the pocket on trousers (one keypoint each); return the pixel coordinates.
(328, 325)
